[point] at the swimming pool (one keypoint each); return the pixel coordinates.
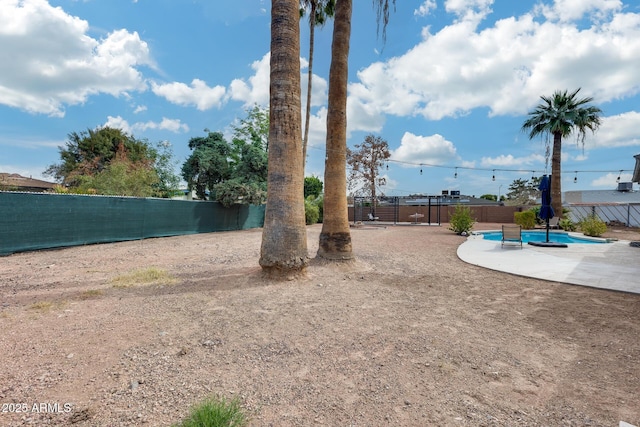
(541, 236)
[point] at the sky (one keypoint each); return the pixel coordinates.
(449, 88)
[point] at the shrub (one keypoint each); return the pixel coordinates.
(567, 225)
(536, 211)
(592, 226)
(216, 412)
(461, 221)
(526, 219)
(311, 212)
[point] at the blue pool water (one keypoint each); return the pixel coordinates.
(541, 236)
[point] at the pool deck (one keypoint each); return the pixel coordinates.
(614, 266)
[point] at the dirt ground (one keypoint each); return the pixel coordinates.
(408, 335)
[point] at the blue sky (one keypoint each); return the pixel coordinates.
(449, 90)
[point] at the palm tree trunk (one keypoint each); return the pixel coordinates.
(312, 32)
(556, 175)
(335, 237)
(284, 237)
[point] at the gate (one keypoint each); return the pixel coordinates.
(381, 209)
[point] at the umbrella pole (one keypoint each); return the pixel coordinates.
(547, 230)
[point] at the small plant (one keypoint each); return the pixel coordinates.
(592, 226)
(41, 306)
(536, 211)
(147, 276)
(216, 412)
(461, 221)
(526, 219)
(567, 225)
(311, 211)
(91, 293)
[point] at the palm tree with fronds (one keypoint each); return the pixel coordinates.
(335, 237)
(561, 115)
(319, 12)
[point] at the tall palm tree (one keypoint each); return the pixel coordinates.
(284, 237)
(319, 12)
(561, 115)
(335, 237)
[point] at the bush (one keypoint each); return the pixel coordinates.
(592, 226)
(311, 212)
(536, 211)
(461, 221)
(526, 219)
(567, 225)
(216, 412)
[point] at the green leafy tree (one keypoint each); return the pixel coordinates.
(233, 173)
(120, 177)
(523, 192)
(89, 152)
(491, 197)
(165, 165)
(247, 183)
(312, 186)
(559, 116)
(110, 161)
(208, 163)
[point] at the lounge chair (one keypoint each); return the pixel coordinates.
(553, 222)
(511, 234)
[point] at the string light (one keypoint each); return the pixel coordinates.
(493, 178)
(533, 175)
(422, 165)
(420, 169)
(618, 179)
(575, 179)
(455, 175)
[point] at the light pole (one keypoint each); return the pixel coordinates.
(499, 188)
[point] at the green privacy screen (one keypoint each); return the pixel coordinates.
(30, 221)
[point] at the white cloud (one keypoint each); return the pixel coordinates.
(425, 8)
(432, 150)
(610, 180)
(622, 130)
(469, 10)
(199, 94)
(256, 90)
(172, 125)
(571, 10)
(506, 161)
(505, 66)
(55, 63)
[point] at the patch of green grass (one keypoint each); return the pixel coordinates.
(91, 293)
(215, 412)
(41, 305)
(148, 276)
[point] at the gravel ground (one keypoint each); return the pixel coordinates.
(406, 335)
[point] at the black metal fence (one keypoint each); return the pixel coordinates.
(628, 214)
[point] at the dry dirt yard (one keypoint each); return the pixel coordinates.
(408, 335)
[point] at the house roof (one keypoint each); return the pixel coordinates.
(601, 196)
(16, 181)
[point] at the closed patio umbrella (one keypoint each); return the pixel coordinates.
(546, 211)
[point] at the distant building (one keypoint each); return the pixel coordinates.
(623, 194)
(15, 182)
